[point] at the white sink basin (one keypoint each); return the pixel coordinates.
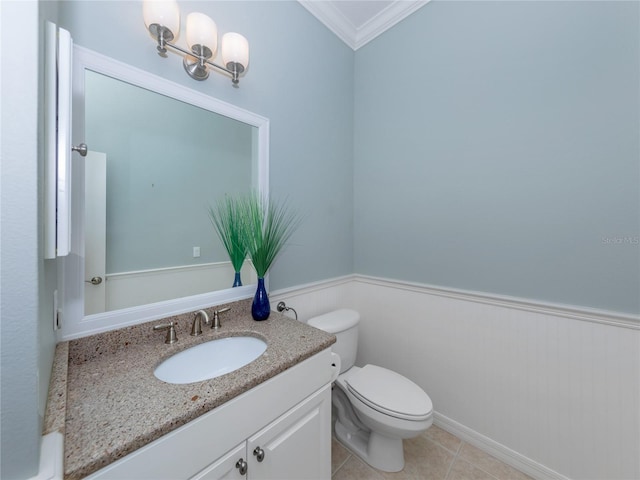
(210, 359)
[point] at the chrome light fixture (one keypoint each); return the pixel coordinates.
(162, 19)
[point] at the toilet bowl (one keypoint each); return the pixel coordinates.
(376, 407)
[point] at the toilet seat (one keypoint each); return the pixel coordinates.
(389, 393)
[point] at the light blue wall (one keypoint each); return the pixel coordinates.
(300, 76)
(496, 150)
(27, 281)
(47, 269)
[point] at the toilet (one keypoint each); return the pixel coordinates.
(376, 407)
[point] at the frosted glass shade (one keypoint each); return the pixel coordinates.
(165, 13)
(235, 49)
(201, 30)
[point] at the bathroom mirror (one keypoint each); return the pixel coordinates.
(159, 154)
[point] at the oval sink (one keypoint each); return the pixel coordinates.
(210, 359)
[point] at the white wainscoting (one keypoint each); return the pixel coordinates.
(130, 289)
(552, 390)
(314, 299)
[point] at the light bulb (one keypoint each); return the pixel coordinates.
(201, 30)
(235, 49)
(164, 13)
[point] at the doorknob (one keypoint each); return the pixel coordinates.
(81, 149)
(94, 281)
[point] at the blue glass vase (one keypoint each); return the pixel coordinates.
(237, 282)
(260, 308)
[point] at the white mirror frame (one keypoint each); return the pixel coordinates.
(73, 323)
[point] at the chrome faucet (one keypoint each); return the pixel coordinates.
(196, 327)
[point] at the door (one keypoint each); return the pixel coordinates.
(95, 232)
(296, 446)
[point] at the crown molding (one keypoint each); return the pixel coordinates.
(355, 37)
(330, 16)
(387, 18)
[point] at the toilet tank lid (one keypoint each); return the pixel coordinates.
(336, 321)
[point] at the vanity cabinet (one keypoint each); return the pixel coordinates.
(296, 446)
(287, 417)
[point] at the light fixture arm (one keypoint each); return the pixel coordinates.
(196, 69)
(163, 35)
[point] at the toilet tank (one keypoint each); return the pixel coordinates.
(343, 324)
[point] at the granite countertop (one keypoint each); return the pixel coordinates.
(113, 404)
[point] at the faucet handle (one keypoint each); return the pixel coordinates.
(216, 319)
(171, 332)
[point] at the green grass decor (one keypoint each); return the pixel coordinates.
(268, 227)
(228, 220)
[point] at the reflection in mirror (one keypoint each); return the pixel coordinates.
(160, 154)
(156, 164)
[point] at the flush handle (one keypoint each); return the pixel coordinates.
(241, 465)
(259, 454)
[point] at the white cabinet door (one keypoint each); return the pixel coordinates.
(296, 446)
(225, 467)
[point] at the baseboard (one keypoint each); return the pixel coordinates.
(51, 457)
(497, 450)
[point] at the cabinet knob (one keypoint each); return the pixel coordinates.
(259, 454)
(241, 465)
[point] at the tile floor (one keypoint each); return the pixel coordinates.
(434, 455)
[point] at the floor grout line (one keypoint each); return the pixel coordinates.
(474, 465)
(453, 461)
(342, 464)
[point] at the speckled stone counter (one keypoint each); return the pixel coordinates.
(54, 417)
(115, 404)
